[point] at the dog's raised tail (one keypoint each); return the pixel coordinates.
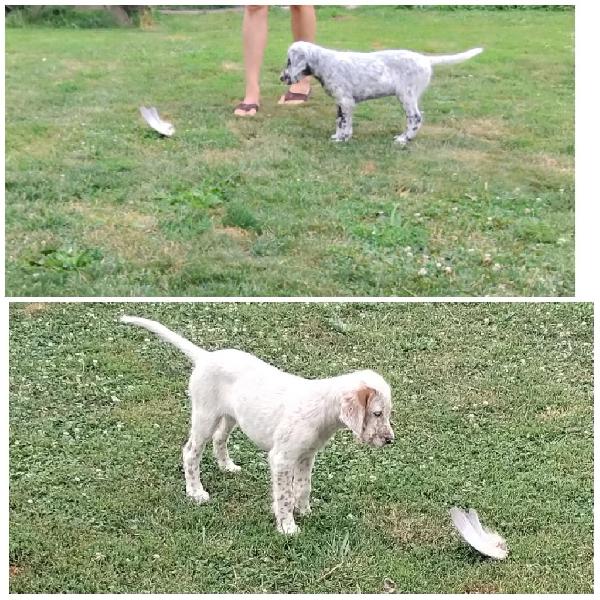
(192, 351)
(449, 59)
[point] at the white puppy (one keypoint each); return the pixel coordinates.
(288, 416)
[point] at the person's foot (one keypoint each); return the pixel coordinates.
(248, 107)
(297, 94)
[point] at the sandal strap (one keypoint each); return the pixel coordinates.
(295, 96)
(246, 107)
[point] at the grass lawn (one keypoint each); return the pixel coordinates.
(482, 203)
(492, 409)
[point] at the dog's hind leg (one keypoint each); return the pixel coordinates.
(220, 437)
(413, 119)
(201, 431)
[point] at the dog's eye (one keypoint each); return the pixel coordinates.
(377, 413)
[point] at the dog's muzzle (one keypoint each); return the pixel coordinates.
(285, 78)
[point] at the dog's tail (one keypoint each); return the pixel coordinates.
(449, 59)
(192, 351)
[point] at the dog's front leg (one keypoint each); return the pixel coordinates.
(282, 473)
(302, 483)
(343, 123)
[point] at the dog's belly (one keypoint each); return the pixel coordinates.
(373, 95)
(259, 413)
(261, 434)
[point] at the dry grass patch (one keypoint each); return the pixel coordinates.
(235, 233)
(561, 164)
(132, 235)
(220, 156)
(368, 168)
(14, 570)
(34, 308)
(481, 587)
(409, 528)
(231, 66)
(555, 413)
(486, 128)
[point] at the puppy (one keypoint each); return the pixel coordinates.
(288, 416)
(352, 77)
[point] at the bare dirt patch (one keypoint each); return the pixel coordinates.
(14, 570)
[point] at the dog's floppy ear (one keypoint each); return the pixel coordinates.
(353, 408)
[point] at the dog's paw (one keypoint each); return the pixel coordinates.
(200, 497)
(304, 511)
(335, 138)
(288, 528)
(230, 467)
(401, 140)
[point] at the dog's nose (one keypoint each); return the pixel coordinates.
(282, 78)
(389, 439)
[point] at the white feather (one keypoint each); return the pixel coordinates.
(483, 540)
(151, 117)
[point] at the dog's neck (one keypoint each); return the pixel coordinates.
(314, 63)
(332, 390)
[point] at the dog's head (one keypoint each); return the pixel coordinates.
(365, 409)
(299, 58)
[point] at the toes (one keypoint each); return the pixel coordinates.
(199, 497)
(303, 511)
(288, 528)
(232, 468)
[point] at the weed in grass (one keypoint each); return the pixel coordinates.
(238, 215)
(65, 259)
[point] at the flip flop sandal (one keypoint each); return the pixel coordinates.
(293, 98)
(246, 108)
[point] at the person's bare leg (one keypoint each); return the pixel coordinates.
(254, 34)
(304, 28)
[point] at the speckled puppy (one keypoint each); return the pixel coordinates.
(351, 77)
(288, 416)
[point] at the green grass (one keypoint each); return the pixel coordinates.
(492, 409)
(269, 206)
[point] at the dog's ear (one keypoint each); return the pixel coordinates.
(353, 408)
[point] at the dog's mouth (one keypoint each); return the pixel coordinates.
(285, 78)
(374, 442)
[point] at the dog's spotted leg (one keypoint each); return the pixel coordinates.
(282, 473)
(302, 477)
(192, 453)
(343, 123)
(413, 122)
